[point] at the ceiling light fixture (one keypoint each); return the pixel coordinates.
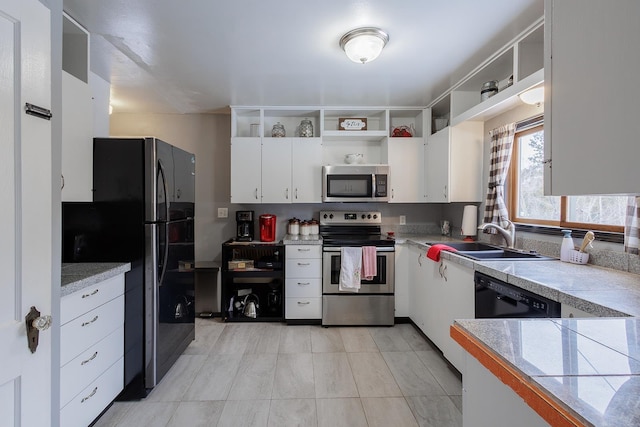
(533, 96)
(364, 44)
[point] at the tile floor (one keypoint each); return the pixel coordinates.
(268, 374)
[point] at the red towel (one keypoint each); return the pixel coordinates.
(434, 251)
(369, 264)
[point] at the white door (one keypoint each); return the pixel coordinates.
(25, 219)
(406, 161)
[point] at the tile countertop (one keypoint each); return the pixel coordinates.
(77, 276)
(590, 368)
(603, 292)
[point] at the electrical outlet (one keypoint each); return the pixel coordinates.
(223, 212)
(403, 219)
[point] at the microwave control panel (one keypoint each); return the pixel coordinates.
(381, 186)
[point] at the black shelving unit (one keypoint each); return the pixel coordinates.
(262, 277)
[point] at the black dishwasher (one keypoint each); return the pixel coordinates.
(497, 299)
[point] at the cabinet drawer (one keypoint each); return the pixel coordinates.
(303, 287)
(78, 303)
(92, 400)
(304, 251)
(310, 267)
(83, 332)
(303, 308)
(90, 364)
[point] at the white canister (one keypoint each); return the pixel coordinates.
(305, 228)
(293, 227)
(315, 228)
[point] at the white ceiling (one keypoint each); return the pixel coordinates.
(189, 56)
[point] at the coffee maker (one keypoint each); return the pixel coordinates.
(245, 226)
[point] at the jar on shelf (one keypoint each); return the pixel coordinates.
(306, 128)
(278, 130)
(305, 228)
(314, 227)
(489, 89)
(293, 227)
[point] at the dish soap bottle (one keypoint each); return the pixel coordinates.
(567, 246)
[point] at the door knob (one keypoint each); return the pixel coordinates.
(35, 323)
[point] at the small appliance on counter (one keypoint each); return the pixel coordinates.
(267, 228)
(245, 226)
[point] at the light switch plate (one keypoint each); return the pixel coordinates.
(223, 212)
(403, 219)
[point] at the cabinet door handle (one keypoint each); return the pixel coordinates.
(304, 263)
(256, 193)
(84, 362)
(303, 250)
(286, 194)
(303, 283)
(92, 293)
(90, 395)
(444, 192)
(304, 303)
(392, 194)
(90, 321)
(296, 194)
(420, 260)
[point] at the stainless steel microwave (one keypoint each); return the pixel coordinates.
(355, 183)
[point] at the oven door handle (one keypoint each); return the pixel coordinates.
(380, 249)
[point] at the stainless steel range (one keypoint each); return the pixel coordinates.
(373, 304)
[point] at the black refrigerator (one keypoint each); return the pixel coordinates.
(143, 213)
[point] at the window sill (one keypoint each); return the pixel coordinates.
(604, 236)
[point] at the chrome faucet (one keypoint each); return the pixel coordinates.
(509, 234)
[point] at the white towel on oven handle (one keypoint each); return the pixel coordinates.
(350, 269)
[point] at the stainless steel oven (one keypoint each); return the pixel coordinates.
(374, 303)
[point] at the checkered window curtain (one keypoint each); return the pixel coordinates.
(495, 209)
(632, 226)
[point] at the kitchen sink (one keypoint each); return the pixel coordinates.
(504, 254)
(483, 252)
(468, 246)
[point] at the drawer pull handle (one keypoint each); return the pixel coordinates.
(89, 359)
(90, 321)
(304, 250)
(92, 293)
(304, 303)
(304, 263)
(90, 395)
(304, 283)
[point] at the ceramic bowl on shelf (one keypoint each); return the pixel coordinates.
(354, 158)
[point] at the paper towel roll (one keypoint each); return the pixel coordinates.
(470, 220)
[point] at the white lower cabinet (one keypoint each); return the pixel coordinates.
(303, 282)
(455, 296)
(418, 298)
(401, 280)
(439, 293)
(91, 351)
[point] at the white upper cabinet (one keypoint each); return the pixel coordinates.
(276, 170)
(246, 170)
(591, 98)
(77, 115)
(453, 164)
(307, 170)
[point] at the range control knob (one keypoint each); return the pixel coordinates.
(369, 216)
(363, 216)
(331, 216)
(325, 216)
(375, 216)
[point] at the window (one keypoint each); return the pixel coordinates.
(528, 204)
